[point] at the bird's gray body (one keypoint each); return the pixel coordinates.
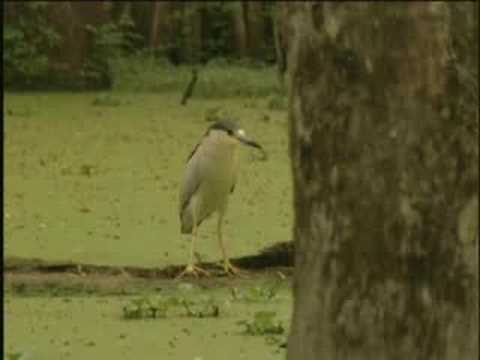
(210, 176)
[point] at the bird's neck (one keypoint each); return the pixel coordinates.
(224, 149)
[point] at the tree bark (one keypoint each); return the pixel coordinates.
(385, 170)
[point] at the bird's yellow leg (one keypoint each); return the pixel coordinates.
(227, 265)
(191, 268)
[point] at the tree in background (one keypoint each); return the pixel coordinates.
(238, 15)
(282, 32)
(28, 42)
(60, 44)
(384, 149)
(71, 43)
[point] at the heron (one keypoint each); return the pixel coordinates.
(210, 177)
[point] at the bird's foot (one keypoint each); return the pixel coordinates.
(232, 270)
(124, 273)
(194, 270)
(80, 271)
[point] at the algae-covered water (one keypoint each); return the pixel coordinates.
(94, 327)
(94, 178)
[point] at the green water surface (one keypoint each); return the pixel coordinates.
(93, 327)
(99, 184)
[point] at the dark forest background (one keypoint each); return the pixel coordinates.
(72, 44)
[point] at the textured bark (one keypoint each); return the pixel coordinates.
(385, 187)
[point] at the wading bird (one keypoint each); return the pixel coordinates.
(209, 179)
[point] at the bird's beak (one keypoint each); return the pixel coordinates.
(250, 142)
(247, 141)
(240, 135)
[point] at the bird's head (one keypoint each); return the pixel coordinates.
(231, 132)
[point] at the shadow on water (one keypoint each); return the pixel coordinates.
(278, 257)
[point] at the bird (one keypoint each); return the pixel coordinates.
(209, 178)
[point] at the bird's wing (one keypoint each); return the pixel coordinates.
(196, 147)
(235, 176)
(191, 181)
(193, 151)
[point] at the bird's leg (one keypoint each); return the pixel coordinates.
(191, 263)
(80, 270)
(227, 265)
(191, 268)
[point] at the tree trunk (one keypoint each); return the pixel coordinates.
(255, 28)
(192, 25)
(385, 168)
(143, 14)
(164, 32)
(280, 38)
(69, 19)
(155, 24)
(238, 12)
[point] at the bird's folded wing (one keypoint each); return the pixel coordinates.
(193, 151)
(191, 182)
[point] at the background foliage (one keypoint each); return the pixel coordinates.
(87, 44)
(26, 45)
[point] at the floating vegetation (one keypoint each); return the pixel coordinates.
(263, 323)
(161, 307)
(256, 293)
